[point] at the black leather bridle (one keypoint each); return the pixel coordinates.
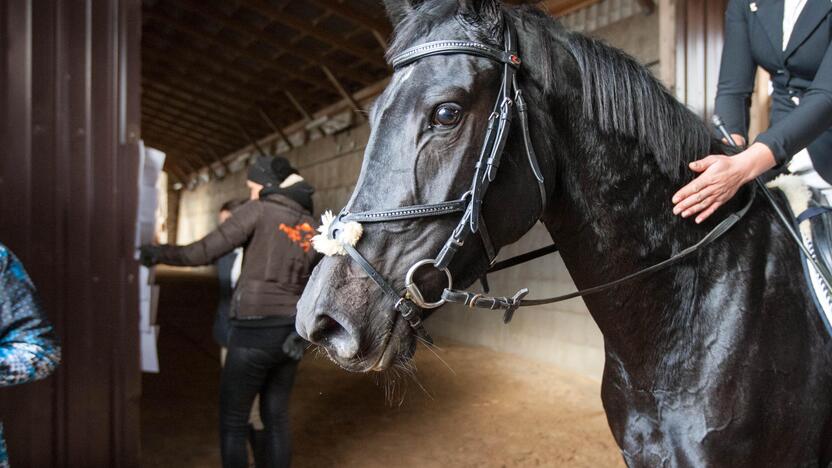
(410, 302)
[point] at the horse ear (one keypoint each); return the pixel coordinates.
(397, 10)
(480, 11)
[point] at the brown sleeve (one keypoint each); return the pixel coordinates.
(233, 233)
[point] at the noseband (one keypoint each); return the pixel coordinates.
(409, 303)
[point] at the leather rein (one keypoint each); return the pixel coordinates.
(411, 302)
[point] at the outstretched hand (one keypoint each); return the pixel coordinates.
(720, 178)
(149, 254)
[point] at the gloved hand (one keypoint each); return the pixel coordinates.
(294, 346)
(149, 254)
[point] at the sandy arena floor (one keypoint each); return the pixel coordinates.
(492, 410)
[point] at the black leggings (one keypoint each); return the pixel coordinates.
(247, 372)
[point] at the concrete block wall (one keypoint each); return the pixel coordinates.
(562, 334)
(198, 208)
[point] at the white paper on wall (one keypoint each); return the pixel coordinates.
(150, 170)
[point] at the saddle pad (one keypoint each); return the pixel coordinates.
(816, 234)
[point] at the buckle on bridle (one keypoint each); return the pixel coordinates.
(413, 292)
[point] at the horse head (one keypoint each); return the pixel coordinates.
(428, 128)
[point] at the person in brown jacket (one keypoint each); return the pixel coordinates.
(275, 229)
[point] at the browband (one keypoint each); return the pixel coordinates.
(454, 47)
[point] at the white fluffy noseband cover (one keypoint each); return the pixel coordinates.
(347, 233)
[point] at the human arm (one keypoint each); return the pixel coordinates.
(808, 121)
(737, 71)
(233, 233)
(722, 176)
(29, 349)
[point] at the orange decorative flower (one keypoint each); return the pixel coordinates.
(300, 234)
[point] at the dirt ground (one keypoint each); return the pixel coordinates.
(490, 410)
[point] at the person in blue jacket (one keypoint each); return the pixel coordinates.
(29, 350)
(791, 40)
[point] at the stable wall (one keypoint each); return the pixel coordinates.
(330, 163)
(562, 334)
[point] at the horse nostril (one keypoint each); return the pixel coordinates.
(331, 334)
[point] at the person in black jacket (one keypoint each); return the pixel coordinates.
(791, 40)
(275, 228)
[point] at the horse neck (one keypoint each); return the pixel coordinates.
(611, 216)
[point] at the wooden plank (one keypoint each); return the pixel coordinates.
(194, 113)
(343, 92)
(287, 68)
(191, 98)
(192, 156)
(184, 132)
(221, 90)
(363, 54)
(356, 16)
(219, 138)
(267, 118)
(294, 55)
(192, 119)
(253, 79)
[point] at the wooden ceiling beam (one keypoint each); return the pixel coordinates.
(175, 172)
(164, 92)
(356, 16)
(218, 98)
(242, 93)
(236, 50)
(221, 18)
(320, 34)
(244, 101)
(218, 158)
(171, 140)
(191, 135)
(275, 127)
(200, 92)
(248, 77)
(344, 93)
(195, 112)
(240, 73)
(190, 118)
(221, 139)
(185, 150)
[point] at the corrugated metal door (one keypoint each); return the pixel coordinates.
(69, 115)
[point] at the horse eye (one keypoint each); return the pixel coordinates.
(446, 115)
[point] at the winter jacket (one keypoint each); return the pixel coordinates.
(29, 350)
(276, 233)
(801, 76)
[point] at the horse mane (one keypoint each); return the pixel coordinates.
(625, 100)
(620, 95)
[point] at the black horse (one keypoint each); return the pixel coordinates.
(719, 360)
